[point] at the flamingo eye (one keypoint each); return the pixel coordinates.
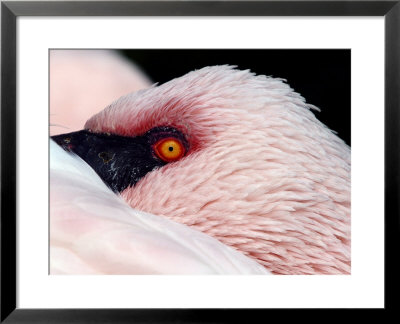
(169, 149)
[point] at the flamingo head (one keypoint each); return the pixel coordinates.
(238, 156)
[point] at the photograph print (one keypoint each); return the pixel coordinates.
(208, 161)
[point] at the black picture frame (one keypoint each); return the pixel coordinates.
(11, 10)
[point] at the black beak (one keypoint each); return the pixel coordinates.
(120, 161)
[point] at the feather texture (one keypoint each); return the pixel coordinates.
(263, 175)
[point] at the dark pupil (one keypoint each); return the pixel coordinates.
(170, 148)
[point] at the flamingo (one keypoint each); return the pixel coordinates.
(236, 156)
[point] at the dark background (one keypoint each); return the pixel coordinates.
(322, 77)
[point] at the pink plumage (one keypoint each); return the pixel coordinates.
(262, 175)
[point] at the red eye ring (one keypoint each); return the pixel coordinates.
(169, 149)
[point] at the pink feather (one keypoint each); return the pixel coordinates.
(263, 175)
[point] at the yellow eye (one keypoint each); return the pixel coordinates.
(169, 149)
